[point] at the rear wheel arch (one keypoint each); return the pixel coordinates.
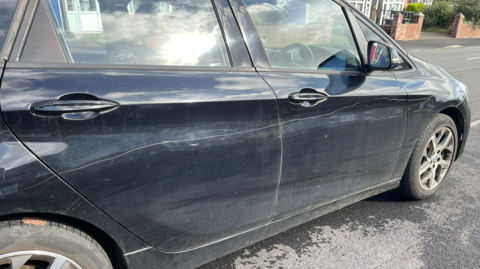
(108, 244)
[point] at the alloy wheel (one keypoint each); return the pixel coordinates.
(36, 259)
(436, 159)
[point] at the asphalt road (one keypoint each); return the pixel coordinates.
(436, 41)
(463, 64)
(387, 231)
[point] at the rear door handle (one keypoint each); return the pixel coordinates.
(82, 105)
(72, 109)
(307, 97)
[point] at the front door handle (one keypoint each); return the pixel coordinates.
(73, 109)
(307, 97)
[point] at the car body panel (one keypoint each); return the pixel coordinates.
(187, 158)
(346, 144)
(430, 90)
(27, 186)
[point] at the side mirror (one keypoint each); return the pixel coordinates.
(382, 56)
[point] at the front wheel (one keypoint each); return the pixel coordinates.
(431, 159)
(41, 244)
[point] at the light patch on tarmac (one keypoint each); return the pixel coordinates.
(452, 47)
(397, 245)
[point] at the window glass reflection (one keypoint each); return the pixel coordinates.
(304, 34)
(88, 5)
(166, 32)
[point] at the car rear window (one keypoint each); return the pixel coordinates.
(146, 32)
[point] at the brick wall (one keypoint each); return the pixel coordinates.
(462, 29)
(408, 31)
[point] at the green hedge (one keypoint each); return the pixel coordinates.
(420, 7)
(471, 10)
(439, 14)
(442, 13)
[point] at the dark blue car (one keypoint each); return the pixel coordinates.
(167, 133)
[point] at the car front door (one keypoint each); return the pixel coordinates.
(154, 119)
(343, 128)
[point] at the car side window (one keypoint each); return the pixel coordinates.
(372, 36)
(300, 34)
(144, 32)
(369, 33)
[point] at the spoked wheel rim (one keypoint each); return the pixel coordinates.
(437, 158)
(36, 259)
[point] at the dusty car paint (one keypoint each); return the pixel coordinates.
(181, 145)
(348, 143)
(27, 186)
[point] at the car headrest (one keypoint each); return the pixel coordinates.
(271, 16)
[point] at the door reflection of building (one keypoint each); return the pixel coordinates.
(78, 16)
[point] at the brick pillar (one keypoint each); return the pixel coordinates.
(457, 23)
(417, 25)
(418, 18)
(396, 24)
(408, 31)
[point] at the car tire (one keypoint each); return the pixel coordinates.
(431, 159)
(38, 243)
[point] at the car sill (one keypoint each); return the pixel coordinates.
(295, 220)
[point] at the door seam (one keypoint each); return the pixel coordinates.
(406, 126)
(281, 142)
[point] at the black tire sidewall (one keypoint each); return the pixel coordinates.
(414, 165)
(53, 237)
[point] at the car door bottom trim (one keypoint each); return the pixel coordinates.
(379, 188)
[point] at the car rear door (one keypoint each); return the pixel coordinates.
(343, 127)
(154, 119)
